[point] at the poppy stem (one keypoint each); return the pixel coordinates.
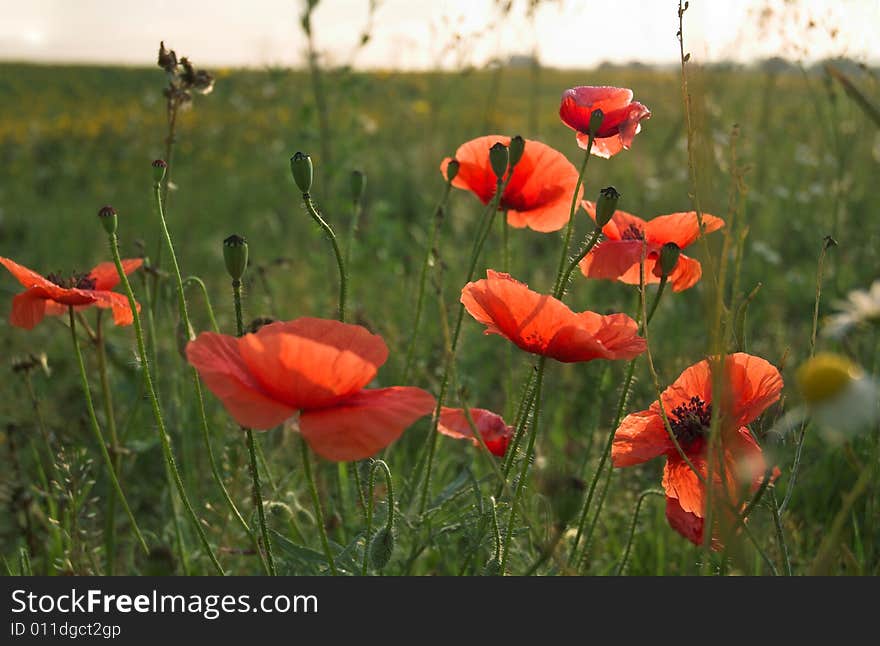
(632, 528)
(530, 449)
(194, 375)
(389, 521)
(101, 354)
(269, 563)
(99, 436)
(157, 411)
(198, 281)
(316, 502)
(585, 249)
(569, 229)
(663, 280)
(423, 278)
(340, 262)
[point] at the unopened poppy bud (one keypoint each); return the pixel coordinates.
(669, 254)
(358, 184)
(107, 215)
(492, 567)
(160, 167)
(301, 169)
(516, 150)
(235, 254)
(498, 158)
(381, 548)
(606, 205)
(596, 119)
(452, 169)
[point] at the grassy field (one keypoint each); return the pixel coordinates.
(73, 139)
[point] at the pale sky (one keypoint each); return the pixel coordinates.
(418, 34)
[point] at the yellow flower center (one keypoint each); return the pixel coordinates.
(825, 376)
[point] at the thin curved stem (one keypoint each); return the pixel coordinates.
(194, 375)
(569, 229)
(337, 252)
(99, 436)
(107, 396)
(198, 281)
(269, 563)
(423, 279)
(389, 521)
(157, 411)
(316, 502)
(632, 527)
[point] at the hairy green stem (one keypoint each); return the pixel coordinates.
(316, 502)
(632, 528)
(337, 252)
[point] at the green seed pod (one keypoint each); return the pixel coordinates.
(606, 205)
(301, 169)
(492, 567)
(517, 148)
(160, 167)
(452, 169)
(107, 215)
(596, 119)
(498, 158)
(381, 548)
(358, 185)
(669, 254)
(235, 254)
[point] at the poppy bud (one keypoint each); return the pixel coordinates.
(301, 169)
(516, 150)
(492, 567)
(452, 169)
(160, 166)
(606, 205)
(107, 215)
(498, 158)
(596, 119)
(358, 184)
(235, 254)
(381, 548)
(669, 254)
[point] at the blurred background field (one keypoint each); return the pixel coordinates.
(75, 138)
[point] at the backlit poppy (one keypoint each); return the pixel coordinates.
(618, 256)
(538, 195)
(544, 325)
(752, 384)
(496, 434)
(317, 368)
(53, 294)
(621, 117)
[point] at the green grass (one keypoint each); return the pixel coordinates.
(73, 139)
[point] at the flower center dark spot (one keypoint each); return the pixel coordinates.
(76, 280)
(691, 421)
(633, 232)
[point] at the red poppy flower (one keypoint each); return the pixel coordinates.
(621, 122)
(752, 384)
(544, 325)
(538, 195)
(52, 295)
(315, 367)
(619, 255)
(496, 434)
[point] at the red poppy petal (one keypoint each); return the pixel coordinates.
(579, 103)
(685, 523)
(29, 278)
(312, 363)
(640, 437)
(118, 304)
(606, 147)
(364, 423)
(496, 434)
(629, 125)
(219, 363)
(106, 276)
(28, 309)
(681, 228)
(614, 260)
(597, 337)
(686, 274)
(694, 381)
(754, 382)
(474, 171)
(682, 483)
